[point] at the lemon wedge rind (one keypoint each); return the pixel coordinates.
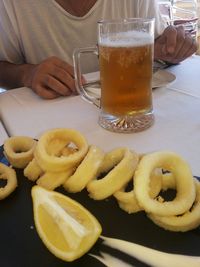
(77, 227)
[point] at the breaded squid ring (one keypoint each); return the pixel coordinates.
(33, 170)
(56, 146)
(120, 175)
(86, 171)
(127, 200)
(52, 180)
(182, 223)
(19, 150)
(49, 162)
(8, 174)
(184, 183)
(111, 159)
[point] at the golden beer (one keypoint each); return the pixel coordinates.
(125, 51)
(126, 75)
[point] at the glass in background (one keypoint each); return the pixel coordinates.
(182, 12)
(165, 8)
(185, 13)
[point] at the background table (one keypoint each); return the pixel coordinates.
(176, 106)
(187, 77)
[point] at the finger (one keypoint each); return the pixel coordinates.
(170, 34)
(46, 93)
(184, 21)
(64, 72)
(57, 86)
(186, 45)
(181, 42)
(64, 77)
(71, 83)
(192, 49)
(64, 65)
(83, 80)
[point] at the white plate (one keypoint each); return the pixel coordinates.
(162, 78)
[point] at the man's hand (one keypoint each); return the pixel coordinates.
(51, 78)
(174, 45)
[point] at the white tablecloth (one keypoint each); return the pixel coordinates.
(3, 134)
(177, 110)
(187, 76)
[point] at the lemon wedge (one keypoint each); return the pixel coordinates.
(66, 228)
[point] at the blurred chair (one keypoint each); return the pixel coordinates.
(185, 13)
(166, 12)
(176, 12)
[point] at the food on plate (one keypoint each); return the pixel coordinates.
(8, 174)
(185, 187)
(33, 170)
(48, 152)
(66, 228)
(181, 222)
(145, 255)
(119, 175)
(62, 157)
(86, 171)
(128, 201)
(111, 159)
(19, 150)
(52, 180)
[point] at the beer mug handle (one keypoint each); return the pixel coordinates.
(78, 74)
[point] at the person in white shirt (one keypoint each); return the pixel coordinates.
(37, 39)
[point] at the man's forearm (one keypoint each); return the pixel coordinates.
(14, 75)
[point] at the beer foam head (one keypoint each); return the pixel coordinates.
(126, 39)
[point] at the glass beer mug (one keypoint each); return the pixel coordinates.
(125, 51)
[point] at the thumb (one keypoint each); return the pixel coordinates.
(170, 34)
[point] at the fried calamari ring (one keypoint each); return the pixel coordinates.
(52, 180)
(120, 175)
(19, 150)
(50, 162)
(182, 223)
(66, 151)
(127, 200)
(33, 170)
(86, 171)
(111, 159)
(56, 146)
(8, 174)
(184, 183)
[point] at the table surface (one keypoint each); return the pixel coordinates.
(3, 134)
(176, 107)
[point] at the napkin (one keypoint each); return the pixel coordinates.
(3, 134)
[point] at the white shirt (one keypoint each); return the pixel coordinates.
(33, 30)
